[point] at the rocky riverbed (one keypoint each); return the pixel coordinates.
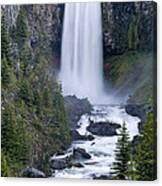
(92, 152)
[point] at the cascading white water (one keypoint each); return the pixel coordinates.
(81, 58)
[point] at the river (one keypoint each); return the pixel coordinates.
(101, 148)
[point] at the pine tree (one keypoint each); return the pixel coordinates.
(145, 160)
(4, 40)
(6, 70)
(122, 155)
(21, 28)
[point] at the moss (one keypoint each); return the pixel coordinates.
(128, 73)
(132, 33)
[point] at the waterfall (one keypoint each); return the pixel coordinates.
(81, 71)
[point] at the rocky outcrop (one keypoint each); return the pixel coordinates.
(75, 108)
(76, 136)
(44, 24)
(59, 163)
(103, 128)
(128, 26)
(140, 111)
(31, 172)
(136, 110)
(46, 19)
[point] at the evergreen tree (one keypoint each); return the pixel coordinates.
(6, 70)
(5, 169)
(4, 40)
(122, 155)
(25, 92)
(145, 160)
(21, 28)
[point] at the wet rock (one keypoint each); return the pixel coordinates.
(76, 136)
(75, 108)
(103, 128)
(136, 110)
(134, 143)
(59, 163)
(31, 172)
(77, 164)
(101, 177)
(80, 153)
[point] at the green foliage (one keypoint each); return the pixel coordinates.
(6, 70)
(25, 93)
(4, 40)
(5, 169)
(142, 164)
(132, 68)
(122, 155)
(145, 157)
(132, 33)
(25, 58)
(34, 124)
(21, 28)
(15, 140)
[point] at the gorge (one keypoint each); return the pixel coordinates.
(73, 75)
(81, 74)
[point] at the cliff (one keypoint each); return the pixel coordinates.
(128, 26)
(129, 39)
(34, 124)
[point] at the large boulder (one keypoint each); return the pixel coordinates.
(136, 110)
(103, 128)
(79, 153)
(76, 136)
(31, 172)
(75, 108)
(59, 163)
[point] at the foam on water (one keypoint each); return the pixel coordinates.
(101, 148)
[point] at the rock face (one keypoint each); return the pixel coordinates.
(127, 26)
(136, 110)
(75, 108)
(44, 24)
(31, 172)
(103, 128)
(139, 111)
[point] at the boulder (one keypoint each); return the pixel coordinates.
(59, 163)
(76, 136)
(31, 172)
(80, 153)
(136, 110)
(75, 108)
(76, 164)
(103, 128)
